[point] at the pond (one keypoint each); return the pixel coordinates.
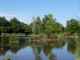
(65, 49)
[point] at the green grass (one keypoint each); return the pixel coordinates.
(14, 38)
(13, 34)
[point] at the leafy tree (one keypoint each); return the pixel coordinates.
(3, 21)
(15, 25)
(46, 18)
(58, 28)
(4, 25)
(38, 25)
(27, 29)
(49, 27)
(22, 29)
(73, 26)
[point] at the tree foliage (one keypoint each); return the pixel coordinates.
(73, 26)
(47, 25)
(15, 25)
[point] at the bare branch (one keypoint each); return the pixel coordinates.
(77, 17)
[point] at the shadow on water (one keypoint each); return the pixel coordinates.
(58, 50)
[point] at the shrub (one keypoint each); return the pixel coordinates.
(13, 38)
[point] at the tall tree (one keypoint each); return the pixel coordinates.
(3, 21)
(46, 19)
(33, 25)
(15, 25)
(57, 27)
(49, 27)
(38, 25)
(27, 29)
(4, 25)
(73, 26)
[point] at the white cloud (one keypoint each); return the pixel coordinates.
(14, 14)
(4, 14)
(21, 16)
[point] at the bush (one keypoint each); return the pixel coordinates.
(41, 35)
(12, 34)
(35, 37)
(13, 38)
(53, 36)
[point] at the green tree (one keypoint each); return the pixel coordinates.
(27, 29)
(15, 25)
(38, 25)
(45, 20)
(58, 28)
(73, 26)
(49, 28)
(48, 17)
(4, 25)
(3, 22)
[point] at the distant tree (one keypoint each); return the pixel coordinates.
(4, 25)
(33, 25)
(73, 26)
(38, 25)
(3, 21)
(47, 17)
(58, 28)
(15, 25)
(27, 29)
(45, 20)
(49, 27)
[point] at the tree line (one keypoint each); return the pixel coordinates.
(13, 26)
(47, 25)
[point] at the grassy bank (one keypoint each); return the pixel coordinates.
(39, 37)
(12, 34)
(52, 37)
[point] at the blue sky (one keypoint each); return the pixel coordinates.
(24, 10)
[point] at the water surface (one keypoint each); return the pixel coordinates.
(65, 49)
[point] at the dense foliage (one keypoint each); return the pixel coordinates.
(13, 26)
(73, 27)
(47, 25)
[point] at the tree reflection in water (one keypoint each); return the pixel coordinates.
(35, 52)
(78, 50)
(52, 57)
(46, 48)
(42, 47)
(71, 46)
